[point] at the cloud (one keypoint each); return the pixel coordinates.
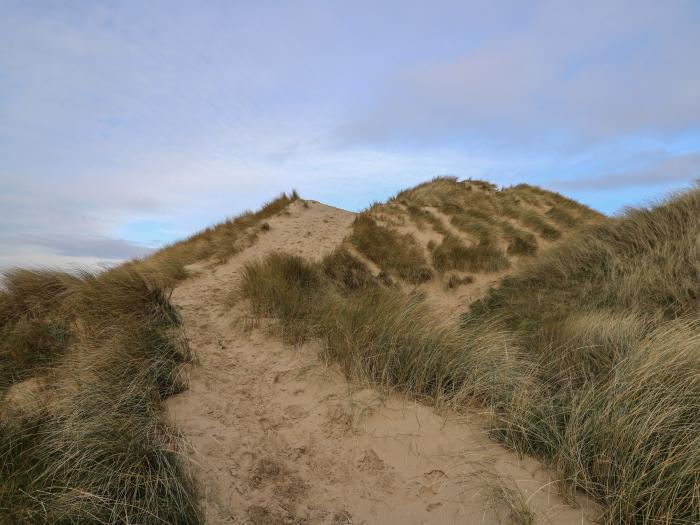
(94, 246)
(671, 170)
(572, 75)
(117, 116)
(89, 251)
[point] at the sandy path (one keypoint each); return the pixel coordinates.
(279, 437)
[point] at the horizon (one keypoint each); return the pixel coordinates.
(126, 127)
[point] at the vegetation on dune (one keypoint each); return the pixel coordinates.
(453, 281)
(346, 271)
(32, 333)
(85, 363)
(453, 254)
(610, 321)
(220, 241)
(81, 440)
(562, 217)
(391, 251)
(377, 334)
(491, 219)
(421, 217)
(587, 358)
(535, 221)
(519, 241)
(484, 231)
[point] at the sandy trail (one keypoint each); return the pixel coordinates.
(279, 437)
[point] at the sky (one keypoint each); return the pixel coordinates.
(125, 125)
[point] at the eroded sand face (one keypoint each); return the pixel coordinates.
(279, 437)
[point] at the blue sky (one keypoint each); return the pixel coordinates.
(125, 124)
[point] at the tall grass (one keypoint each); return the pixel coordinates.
(377, 334)
(534, 220)
(33, 332)
(588, 358)
(85, 363)
(610, 321)
(87, 360)
(453, 254)
(519, 241)
(479, 209)
(421, 216)
(391, 251)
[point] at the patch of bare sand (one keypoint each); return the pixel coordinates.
(279, 437)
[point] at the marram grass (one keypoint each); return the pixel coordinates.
(588, 358)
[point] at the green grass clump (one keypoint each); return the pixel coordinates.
(379, 334)
(285, 287)
(390, 250)
(81, 439)
(519, 241)
(454, 281)
(345, 270)
(610, 320)
(562, 217)
(452, 254)
(534, 220)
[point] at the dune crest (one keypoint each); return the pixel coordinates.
(278, 436)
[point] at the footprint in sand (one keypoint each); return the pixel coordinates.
(295, 412)
(433, 482)
(371, 462)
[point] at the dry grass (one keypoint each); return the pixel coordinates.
(85, 363)
(509, 503)
(452, 254)
(610, 320)
(519, 241)
(534, 220)
(453, 281)
(345, 270)
(422, 217)
(391, 251)
(588, 358)
(378, 334)
(514, 219)
(80, 434)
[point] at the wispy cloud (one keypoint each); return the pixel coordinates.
(567, 75)
(681, 168)
(88, 251)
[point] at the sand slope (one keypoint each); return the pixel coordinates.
(278, 437)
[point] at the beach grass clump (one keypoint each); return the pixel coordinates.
(81, 434)
(453, 254)
(390, 250)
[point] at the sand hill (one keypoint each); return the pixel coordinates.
(279, 436)
(458, 354)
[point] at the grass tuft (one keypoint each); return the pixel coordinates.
(452, 254)
(390, 250)
(87, 361)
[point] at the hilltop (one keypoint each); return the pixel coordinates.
(305, 364)
(462, 236)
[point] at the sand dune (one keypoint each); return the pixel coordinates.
(277, 436)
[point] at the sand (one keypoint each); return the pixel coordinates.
(277, 436)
